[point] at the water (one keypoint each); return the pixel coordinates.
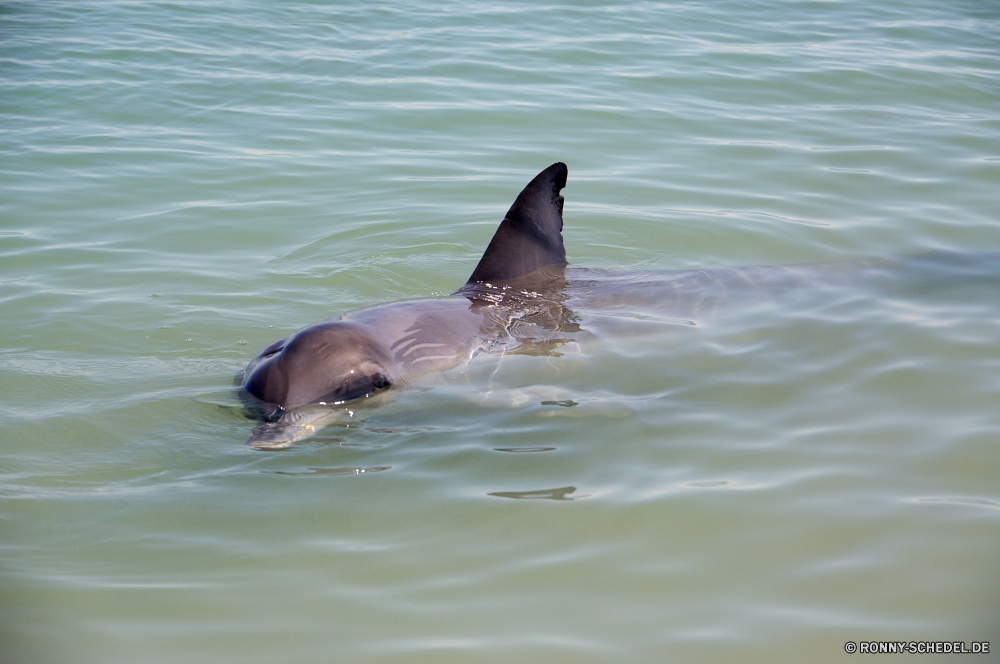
(182, 184)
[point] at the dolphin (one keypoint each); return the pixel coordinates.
(293, 383)
(523, 295)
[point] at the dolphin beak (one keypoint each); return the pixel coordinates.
(274, 436)
(289, 428)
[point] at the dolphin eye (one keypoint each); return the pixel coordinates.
(359, 385)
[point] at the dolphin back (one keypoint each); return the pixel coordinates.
(530, 236)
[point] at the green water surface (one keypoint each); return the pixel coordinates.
(183, 183)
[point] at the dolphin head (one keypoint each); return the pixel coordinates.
(325, 364)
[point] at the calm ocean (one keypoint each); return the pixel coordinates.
(183, 183)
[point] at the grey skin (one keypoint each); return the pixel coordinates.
(522, 295)
(292, 383)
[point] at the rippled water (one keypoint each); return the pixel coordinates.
(181, 184)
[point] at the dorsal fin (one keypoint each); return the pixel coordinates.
(530, 236)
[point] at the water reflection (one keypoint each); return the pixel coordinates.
(312, 472)
(545, 494)
(518, 450)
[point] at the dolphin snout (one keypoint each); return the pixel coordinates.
(287, 429)
(276, 435)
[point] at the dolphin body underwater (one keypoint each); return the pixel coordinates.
(523, 293)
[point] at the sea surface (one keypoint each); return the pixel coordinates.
(182, 183)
